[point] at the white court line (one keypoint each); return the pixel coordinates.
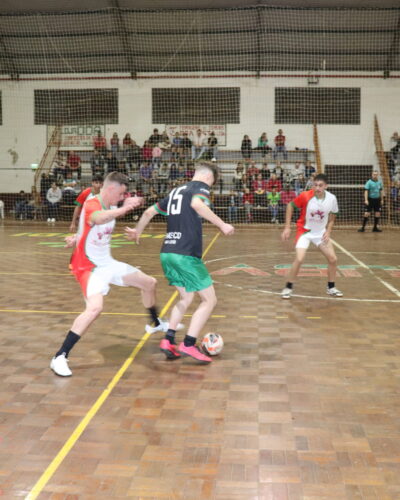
(361, 264)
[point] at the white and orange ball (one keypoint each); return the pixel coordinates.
(212, 344)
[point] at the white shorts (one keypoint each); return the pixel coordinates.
(103, 276)
(307, 238)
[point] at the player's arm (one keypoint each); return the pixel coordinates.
(134, 234)
(366, 196)
(75, 217)
(104, 216)
(201, 209)
(288, 219)
(328, 230)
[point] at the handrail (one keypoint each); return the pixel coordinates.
(380, 152)
(318, 162)
(45, 166)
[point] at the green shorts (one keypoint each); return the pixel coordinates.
(185, 271)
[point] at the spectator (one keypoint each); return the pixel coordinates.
(280, 147)
(146, 176)
(163, 177)
(287, 195)
(122, 168)
(97, 163)
(199, 145)
(70, 191)
(300, 184)
(259, 188)
(309, 169)
(262, 145)
(265, 172)
(181, 175)
(176, 149)
(246, 148)
(274, 182)
(127, 148)
(156, 155)
(252, 171)
(99, 144)
(155, 138)
(147, 151)
(114, 143)
(21, 205)
(136, 153)
(233, 203)
(238, 177)
(248, 203)
(189, 172)
(274, 198)
(112, 163)
(173, 172)
(45, 183)
(1, 209)
(294, 173)
(310, 183)
(74, 163)
(53, 198)
(278, 169)
(246, 181)
(186, 145)
(59, 168)
(395, 201)
(395, 143)
(212, 148)
(152, 197)
(165, 143)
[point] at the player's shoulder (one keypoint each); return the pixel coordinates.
(93, 204)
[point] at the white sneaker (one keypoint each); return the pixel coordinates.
(60, 367)
(286, 293)
(334, 292)
(53, 220)
(162, 327)
(49, 220)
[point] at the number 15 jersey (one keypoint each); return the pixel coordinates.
(184, 230)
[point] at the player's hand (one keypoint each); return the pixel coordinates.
(132, 235)
(70, 241)
(326, 236)
(227, 229)
(285, 234)
(72, 227)
(132, 202)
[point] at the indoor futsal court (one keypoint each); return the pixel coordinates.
(211, 128)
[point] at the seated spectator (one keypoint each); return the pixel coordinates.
(310, 183)
(248, 203)
(127, 144)
(189, 172)
(1, 209)
(156, 155)
(155, 138)
(70, 190)
(146, 176)
(287, 195)
(121, 167)
(114, 143)
(163, 177)
(176, 148)
(21, 205)
(165, 143)
(212, 148)
(45, 183)
(238, 177)
(173, 172)
(152, 197)
(233, 204)
(274, 182)
(246, 181)
(111, 163)
(280, 147)
(99, 144)
(136, 153)
(274, 197)
(181, 175)
(186, 145)
(395, 143)
(246, 148)
(199, 145)
(97, 163)
(147, 151)
(309, 169)
(278, 169)
(53, 199)
(300, 184)
(60, 168)
(262, 145)
(74, 163)
(265, 171)
(252, 171)
(259, 189)
(296, 170)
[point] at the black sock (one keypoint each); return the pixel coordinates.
(70, 340)
(189, 341)
(331, 284)
(170, 335)
(376, 222)
(154, 315)
(364, 223)
(289, 285)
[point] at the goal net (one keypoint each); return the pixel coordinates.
(273, 95)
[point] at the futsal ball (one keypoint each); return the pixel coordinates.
(212, 344)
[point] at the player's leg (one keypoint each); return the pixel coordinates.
(377, 217)
(329, 252)
(94, 306)
(168, 344)
(301, 250)
(365, 219)
(200, 316)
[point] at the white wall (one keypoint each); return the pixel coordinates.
(340, 144)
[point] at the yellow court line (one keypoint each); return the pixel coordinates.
(55, 463)
(79, 312)
(247, 316)
(313, 317)
(281, 317)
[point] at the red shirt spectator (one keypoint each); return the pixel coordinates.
(259, 185)
(252, 171)
(249, 198)
(74, 161)
(287, 196)
(273, 182)
(280, 139)
(99, 142)
(147, 151)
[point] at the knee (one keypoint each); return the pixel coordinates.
(150, 284)
(332, 259)
(299, 261)
(95, 311)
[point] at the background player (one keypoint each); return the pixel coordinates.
(181, 256)
(94, 267)
(318, 212)
(373, 201)
(86, 194)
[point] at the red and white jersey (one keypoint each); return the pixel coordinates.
(86, 194)
(93, 240)
(315, 212)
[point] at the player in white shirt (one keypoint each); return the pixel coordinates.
(318, 213)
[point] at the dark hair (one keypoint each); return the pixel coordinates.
(97, 178)
(119, 178)
(212, 167)
(321, 177)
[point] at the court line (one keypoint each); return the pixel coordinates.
(360, 263)
(57, 460)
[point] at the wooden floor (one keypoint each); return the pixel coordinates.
(303, 403)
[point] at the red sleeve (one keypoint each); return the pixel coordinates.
(93, 205)
(82, 197)
(303, 198)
